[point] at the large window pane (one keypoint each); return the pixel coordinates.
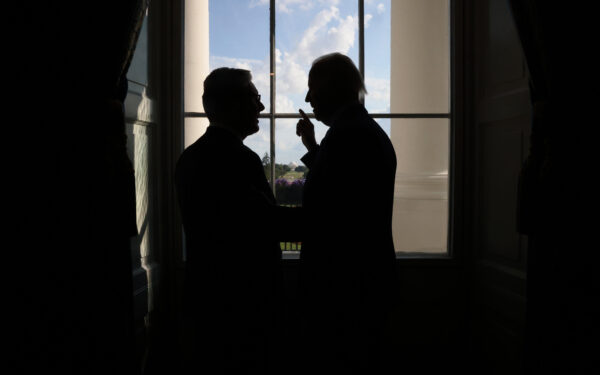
(377, 56)
(420, 56)
(420, 221)
(232, 33)
(305, 31)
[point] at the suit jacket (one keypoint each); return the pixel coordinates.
(348, 257)
(233, 270)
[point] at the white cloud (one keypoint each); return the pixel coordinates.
(220, 61)
(329, 2)
(291, 77)
(284, 104)
(259, 68)
(378, 88)
(285, 6)
(380, 8)
(367, 19)
(305, 49)
(378, 97)
(328, 32)
(255, 3)
(341, 38)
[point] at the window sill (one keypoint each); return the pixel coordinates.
(290, 255)
(403, 259)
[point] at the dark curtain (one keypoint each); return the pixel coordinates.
(554, 188)
(73, 198)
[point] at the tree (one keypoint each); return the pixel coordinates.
(279, 170)
(302, 168)
(266, 162)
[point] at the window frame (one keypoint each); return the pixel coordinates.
(454, 116)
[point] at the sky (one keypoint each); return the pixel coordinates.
(305, 30)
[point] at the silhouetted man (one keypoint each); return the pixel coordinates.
(347, 257)
(233, 263)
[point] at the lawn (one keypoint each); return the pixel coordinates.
(291, 176)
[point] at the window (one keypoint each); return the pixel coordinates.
(402, 47)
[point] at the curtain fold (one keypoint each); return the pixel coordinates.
(72, 292)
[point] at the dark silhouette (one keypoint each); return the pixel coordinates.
(71, 206)
(233, 269)
(562, 325)
(347, 257)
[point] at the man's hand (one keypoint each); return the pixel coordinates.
(306, 130)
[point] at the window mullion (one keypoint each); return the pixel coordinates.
(361, 42)
(272, 87)
(311, 115)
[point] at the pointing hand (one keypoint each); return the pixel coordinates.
(306, 130)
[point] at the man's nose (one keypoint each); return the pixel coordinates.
(307, 99)
(261, 107)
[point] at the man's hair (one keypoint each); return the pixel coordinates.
(221, 87)
(339, 73)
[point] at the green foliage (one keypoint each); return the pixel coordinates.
(303, 169)
(266, 159)
(266, 162)
(280, 169)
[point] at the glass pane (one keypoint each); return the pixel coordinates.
(194, 129)
(231, 33)
(414, 76)
(261, 144)
(420, 219)
(288, 151)
(377, 56)
(305, 31)
(290, 171)
(288, 146)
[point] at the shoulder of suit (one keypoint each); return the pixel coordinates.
(248, 151)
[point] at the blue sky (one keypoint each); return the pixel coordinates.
(305, 30)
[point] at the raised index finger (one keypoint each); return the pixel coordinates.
(304, 116)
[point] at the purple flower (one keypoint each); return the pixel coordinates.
(282, 182)
(298, 182)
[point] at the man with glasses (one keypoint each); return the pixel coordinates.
(233, 270)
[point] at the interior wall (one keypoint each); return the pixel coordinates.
(500, 124)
